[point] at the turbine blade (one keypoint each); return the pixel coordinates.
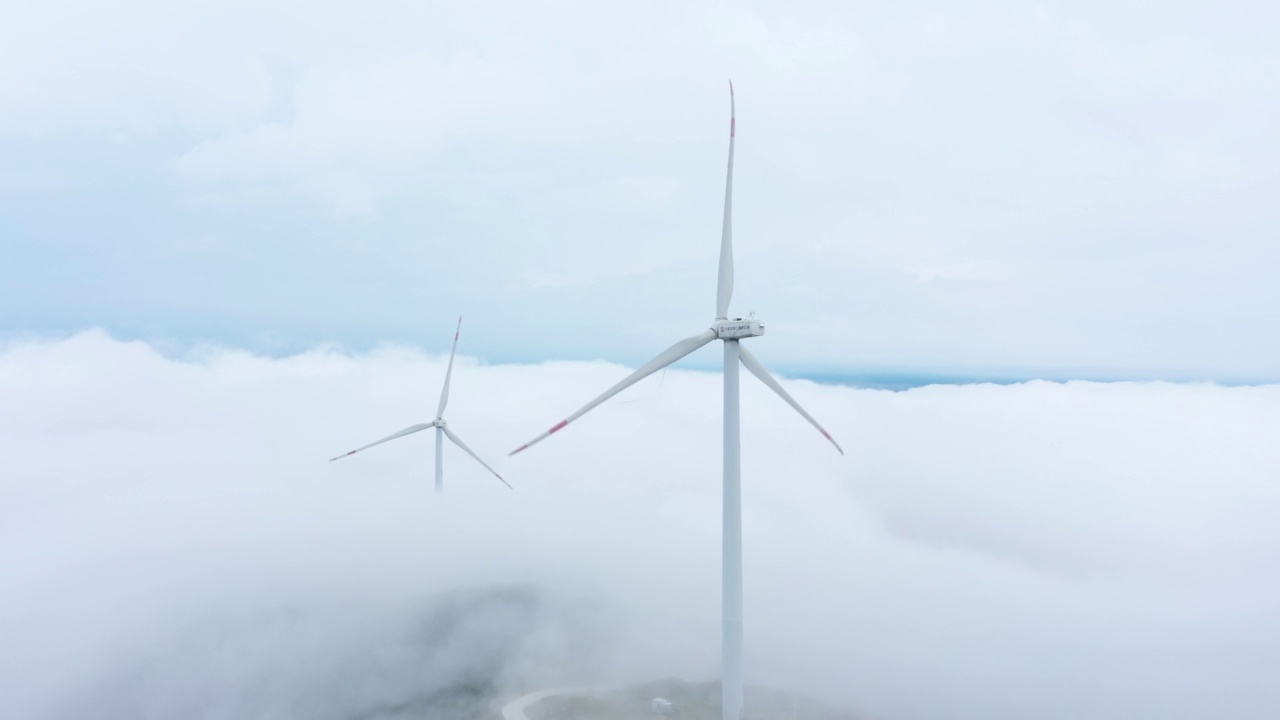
(750, 362)
(407, 431)
(724, 288)
(458, 441)
(448, 374)
(668, 356)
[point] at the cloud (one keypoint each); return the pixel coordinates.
(174, 543)
(443, 658)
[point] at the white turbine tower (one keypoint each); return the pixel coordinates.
(731, 332)
(442, 427)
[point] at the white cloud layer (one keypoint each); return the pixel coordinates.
(173, 543)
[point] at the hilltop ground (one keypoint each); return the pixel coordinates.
(691, 701)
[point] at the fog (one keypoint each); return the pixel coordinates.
(173, 542)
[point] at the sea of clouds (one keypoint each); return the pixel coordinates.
(174, 543)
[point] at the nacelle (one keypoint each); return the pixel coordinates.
(738, 328)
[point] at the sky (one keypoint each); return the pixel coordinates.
(994, 190)
(174, 542)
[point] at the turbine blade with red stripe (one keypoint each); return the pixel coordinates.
(750, 362)
(667, 357)
(458, 441)
(407, 431)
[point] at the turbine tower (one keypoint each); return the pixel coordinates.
(442, 427)
(732, 332)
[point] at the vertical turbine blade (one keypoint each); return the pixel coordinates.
(407, 431)
(668, 356)
(448, 374)
(458, 441)
(750, 362)
(724, 288)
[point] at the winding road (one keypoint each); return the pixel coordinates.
(514, 710)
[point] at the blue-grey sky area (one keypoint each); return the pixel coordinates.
(993, 190)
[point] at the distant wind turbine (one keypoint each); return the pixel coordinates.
(442, 428)
(731, 332)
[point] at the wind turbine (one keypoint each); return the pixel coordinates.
(731, 332)
(442, 428)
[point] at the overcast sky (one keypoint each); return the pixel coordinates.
(173, 542)
(1075, 189)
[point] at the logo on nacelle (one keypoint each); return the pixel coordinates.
(741, 329)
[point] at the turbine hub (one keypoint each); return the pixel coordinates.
(737, 328)
(439, 422)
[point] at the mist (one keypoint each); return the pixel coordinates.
(173, 542)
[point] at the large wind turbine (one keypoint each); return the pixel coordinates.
(442, 427)
(731, 332)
